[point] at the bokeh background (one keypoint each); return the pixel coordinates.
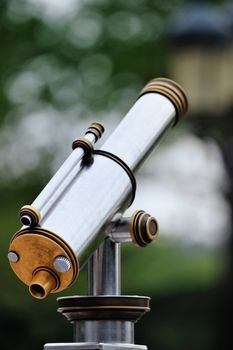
(64, 64)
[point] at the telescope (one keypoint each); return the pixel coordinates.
(80, 210)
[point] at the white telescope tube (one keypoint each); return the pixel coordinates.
(46, 197)
(101, 189)
(31, 215)
(72, 227)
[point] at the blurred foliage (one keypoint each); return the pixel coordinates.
(61, 63)
(64, 60)
(83, 61)
(193, 321)
(164, 268)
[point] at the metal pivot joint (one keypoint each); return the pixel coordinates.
(141, 229)
(104, 319)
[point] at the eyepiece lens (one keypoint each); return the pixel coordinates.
(26, 220)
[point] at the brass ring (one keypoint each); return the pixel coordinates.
(133, 227)
(140, 230)
(97, 129)
(152, 236)
(86, 145)
(32, 212)
(170, 89)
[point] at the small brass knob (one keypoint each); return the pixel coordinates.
(143, 228)
(29, 215)
(96, 129)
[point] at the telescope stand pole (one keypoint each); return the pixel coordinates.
(104, 270)
(103, 320)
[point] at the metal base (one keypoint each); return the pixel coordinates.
(93, 346)
(103, 307)
(102, 322)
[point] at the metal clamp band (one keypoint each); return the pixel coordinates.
(124, 166)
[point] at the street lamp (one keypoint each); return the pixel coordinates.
(201, 60)
(201, 57)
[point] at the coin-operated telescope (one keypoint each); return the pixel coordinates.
(83, 203)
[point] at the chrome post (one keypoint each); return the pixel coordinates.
(104, 269)
(103, 320)
(104, 331)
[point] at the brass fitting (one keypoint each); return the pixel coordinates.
(29, 215)
(143, 228)
(84, 144)
(97, 129)
(37, 250)
(43, 282)
(170, 89)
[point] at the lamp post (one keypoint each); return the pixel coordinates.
(229, 13)
(201, 43)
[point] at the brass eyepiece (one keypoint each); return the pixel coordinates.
(43, 283)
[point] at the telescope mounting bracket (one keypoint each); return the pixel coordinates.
(103, 320)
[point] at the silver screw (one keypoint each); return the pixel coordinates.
(13, 257)
(62, 264)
